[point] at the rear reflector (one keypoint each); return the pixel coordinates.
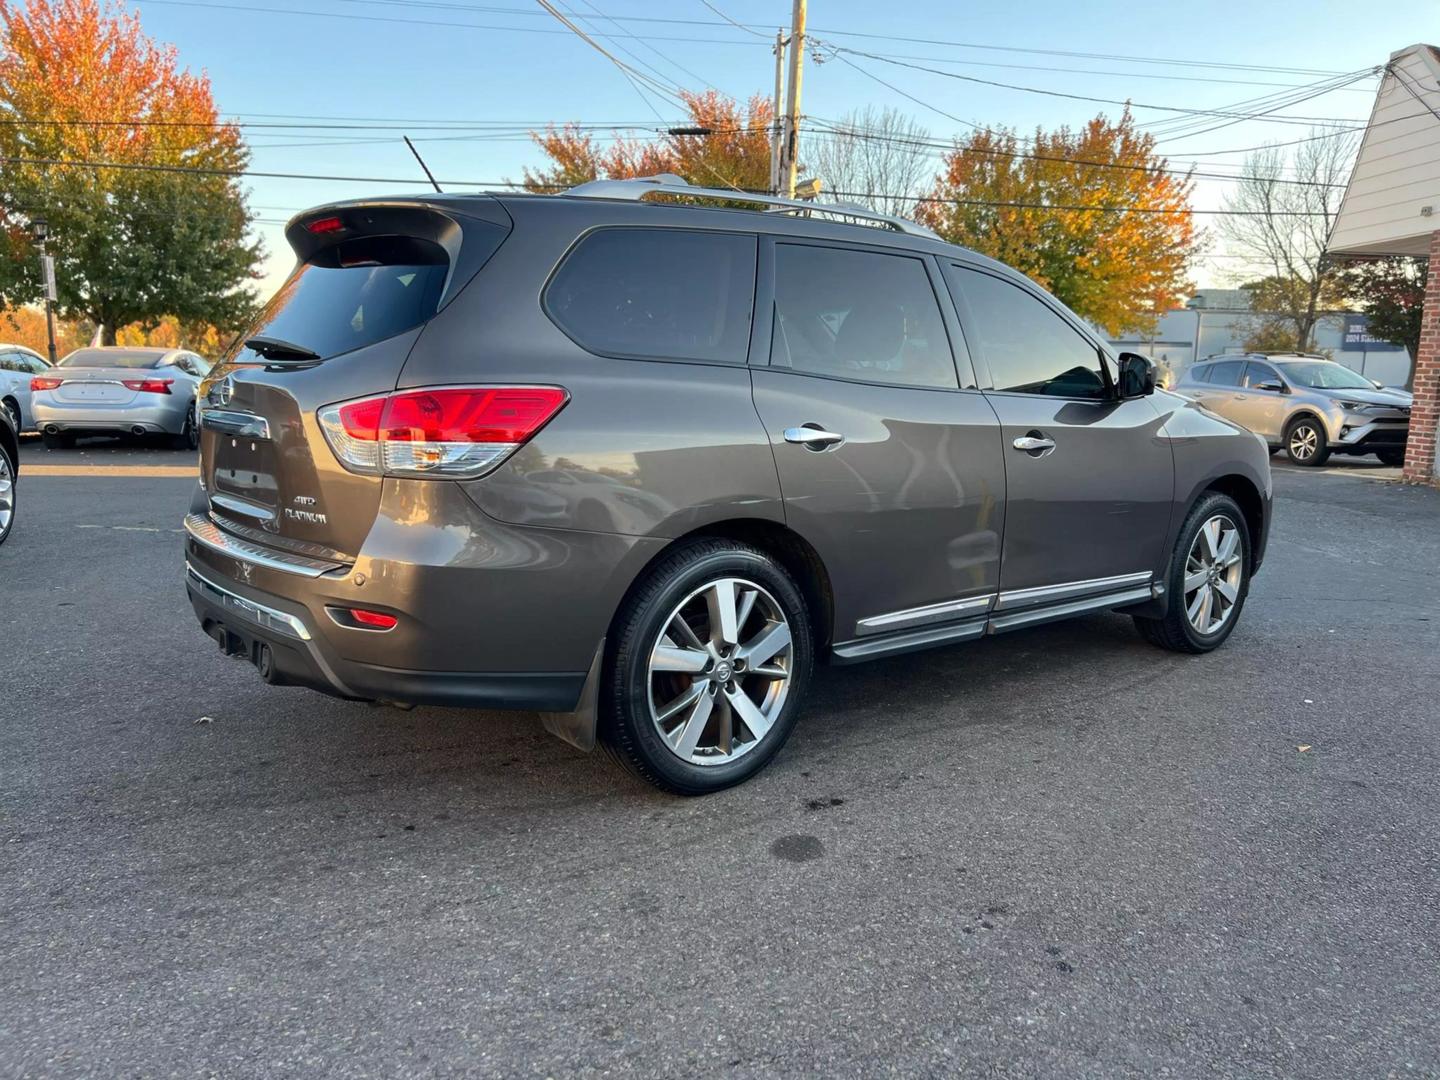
(377, 619)
(449, 432)
(148, 386)
(45, 382)
(325, 225)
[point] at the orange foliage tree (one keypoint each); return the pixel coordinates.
(80, 82)
(736, 153)
(1050, 211)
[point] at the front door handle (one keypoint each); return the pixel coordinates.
(813, 438)
(1035, 444)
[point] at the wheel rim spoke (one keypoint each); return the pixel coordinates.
(669, 657)
(1227, 590)
(749, 714)
(763, 647)
(724, 613)
(687, 735)
(681, 703)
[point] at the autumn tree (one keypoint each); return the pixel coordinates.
(878, 157)
(1391, 293)
(1093, 215)
(735, 153)
(133, 242)
(1280, 214)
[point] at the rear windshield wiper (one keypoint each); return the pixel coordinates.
(279, 349)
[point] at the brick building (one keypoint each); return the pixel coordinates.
(1392, 207)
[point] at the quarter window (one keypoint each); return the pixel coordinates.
(1030, 349)
(859, 315)
(664, 294)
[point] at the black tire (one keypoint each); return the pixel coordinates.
(626, 728)
(64, 440)
(189, 437)
(8, 475)
(1307, 452)
(1394, 458)
(12, 408)
(1175, 631)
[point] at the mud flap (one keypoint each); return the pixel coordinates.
(578, 728)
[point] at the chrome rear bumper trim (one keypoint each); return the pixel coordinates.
(265, 617)
(209, 535)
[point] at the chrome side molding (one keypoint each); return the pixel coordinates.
(921, 616)
(1050, 594)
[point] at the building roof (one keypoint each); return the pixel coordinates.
(1392, 203)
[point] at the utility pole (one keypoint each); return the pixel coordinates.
(41, 230)
(776, 124)
(792, 99)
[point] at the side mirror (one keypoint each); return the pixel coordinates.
(1378, 384)
(1137, 376)
(1275, 386)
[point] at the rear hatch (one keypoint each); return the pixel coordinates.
(369, 276)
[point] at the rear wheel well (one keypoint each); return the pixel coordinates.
(1247, 497)
(14, 406)
(787, 548)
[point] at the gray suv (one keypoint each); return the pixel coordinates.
(1309, 406)
(637, 457)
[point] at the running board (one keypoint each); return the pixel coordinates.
(878, 645)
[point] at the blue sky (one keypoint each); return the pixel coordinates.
(509, 65)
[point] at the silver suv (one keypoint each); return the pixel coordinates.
(638, 466)
(1308, 406)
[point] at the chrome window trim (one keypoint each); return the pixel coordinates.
(921, 616)
(209, 535)
(267, 618)
(1045, 594)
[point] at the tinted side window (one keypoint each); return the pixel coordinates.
(859, 315)
(1258, 373)
(1227, 372)
(1199, 373)
(668, 294)
(1030, 348)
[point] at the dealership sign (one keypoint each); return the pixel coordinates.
(1358, 338)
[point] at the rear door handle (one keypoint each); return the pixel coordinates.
(1035, 444)
(813, 438)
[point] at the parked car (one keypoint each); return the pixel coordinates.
(911, 445)
(119, 390)
(18, 365)
(9, 472)
(1308, 406)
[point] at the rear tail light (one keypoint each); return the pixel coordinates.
(148, 386)
(45, 382)
(448, 432)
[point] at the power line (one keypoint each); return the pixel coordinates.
(410, 180)
(1178, 109)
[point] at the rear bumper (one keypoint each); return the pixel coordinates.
(287, 651)
(167, 417)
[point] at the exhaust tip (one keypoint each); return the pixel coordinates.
(51, 429)
(138, 429)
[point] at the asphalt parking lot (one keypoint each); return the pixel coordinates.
(1058, 852)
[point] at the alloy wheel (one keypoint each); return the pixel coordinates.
(1304, 442)
(719, 674)
(7, 493)
(1213, 572)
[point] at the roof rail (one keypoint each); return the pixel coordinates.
(669, 184)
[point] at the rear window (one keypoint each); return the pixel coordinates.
(356, 293)
(669, 294)
(111, 358)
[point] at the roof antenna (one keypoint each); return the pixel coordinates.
(428, 174)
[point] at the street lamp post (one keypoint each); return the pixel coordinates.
(41, 230)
